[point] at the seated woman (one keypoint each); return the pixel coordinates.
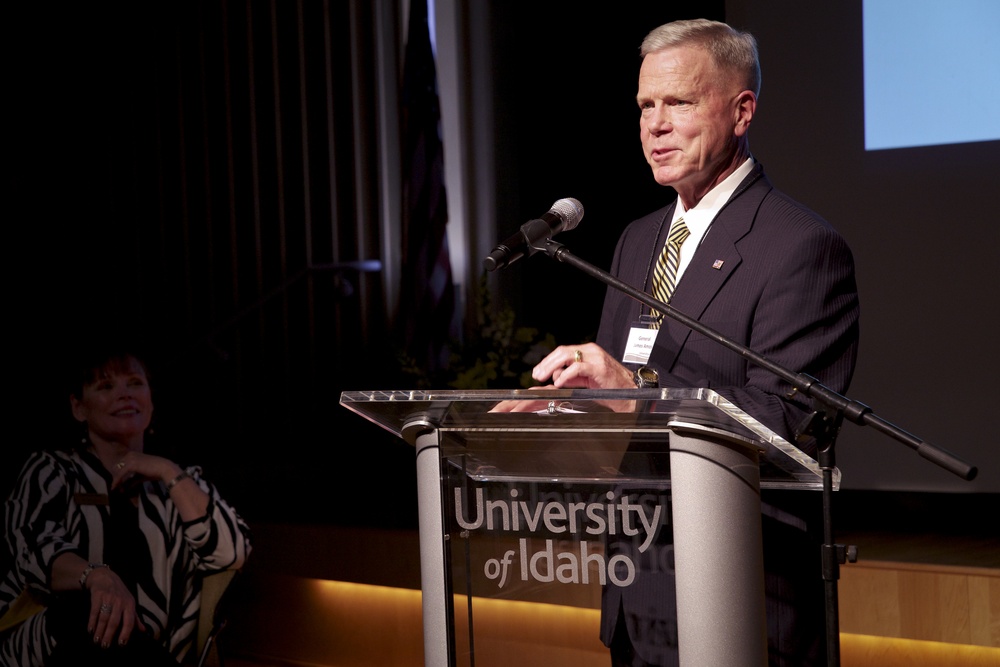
(107, 541)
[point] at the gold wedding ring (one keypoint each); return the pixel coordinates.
(578, 356)
(120, 465)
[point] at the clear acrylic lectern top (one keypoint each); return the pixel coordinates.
(579, 434)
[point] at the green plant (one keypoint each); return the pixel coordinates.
(498, 354)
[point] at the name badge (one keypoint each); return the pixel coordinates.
(641, 338)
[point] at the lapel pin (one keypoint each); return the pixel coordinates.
(718, 264)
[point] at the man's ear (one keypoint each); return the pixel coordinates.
(744, 107)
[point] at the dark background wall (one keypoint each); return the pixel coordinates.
(190, 173)
(928, 362)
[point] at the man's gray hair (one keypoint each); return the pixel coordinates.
(731, 50)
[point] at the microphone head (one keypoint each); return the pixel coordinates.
(570, 211)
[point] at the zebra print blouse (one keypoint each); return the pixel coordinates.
(60, 504)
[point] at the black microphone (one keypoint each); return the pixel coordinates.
(564, 215)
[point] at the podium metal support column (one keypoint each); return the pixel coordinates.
(433, 584)
(715, 489)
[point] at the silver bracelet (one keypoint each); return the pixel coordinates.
(86, 573)
(177, 480)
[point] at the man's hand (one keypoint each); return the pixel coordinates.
(587, 366)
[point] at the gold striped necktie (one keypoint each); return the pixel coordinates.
(665, 272)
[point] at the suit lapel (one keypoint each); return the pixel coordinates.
(716, 258)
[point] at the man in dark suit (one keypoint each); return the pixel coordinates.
(753, 265)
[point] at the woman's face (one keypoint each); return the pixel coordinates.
(116, 405)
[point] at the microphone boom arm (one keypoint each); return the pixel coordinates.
(854, 411)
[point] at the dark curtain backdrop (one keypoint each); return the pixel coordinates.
(200, 177)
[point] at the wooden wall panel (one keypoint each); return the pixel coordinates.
(866, 651)
(926, 602)
(984, 599)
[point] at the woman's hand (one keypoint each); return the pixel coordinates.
(191, 501)
(112, 608)
(146, 466)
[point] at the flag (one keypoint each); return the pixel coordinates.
(427, 294)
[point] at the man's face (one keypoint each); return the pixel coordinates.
(692, 117)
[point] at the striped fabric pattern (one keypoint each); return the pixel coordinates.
(665, 271)
(56, 506)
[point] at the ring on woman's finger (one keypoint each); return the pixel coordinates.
(106, 608)
(120, 465)
(578, 356)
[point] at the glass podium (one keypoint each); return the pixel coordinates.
(550, 499)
